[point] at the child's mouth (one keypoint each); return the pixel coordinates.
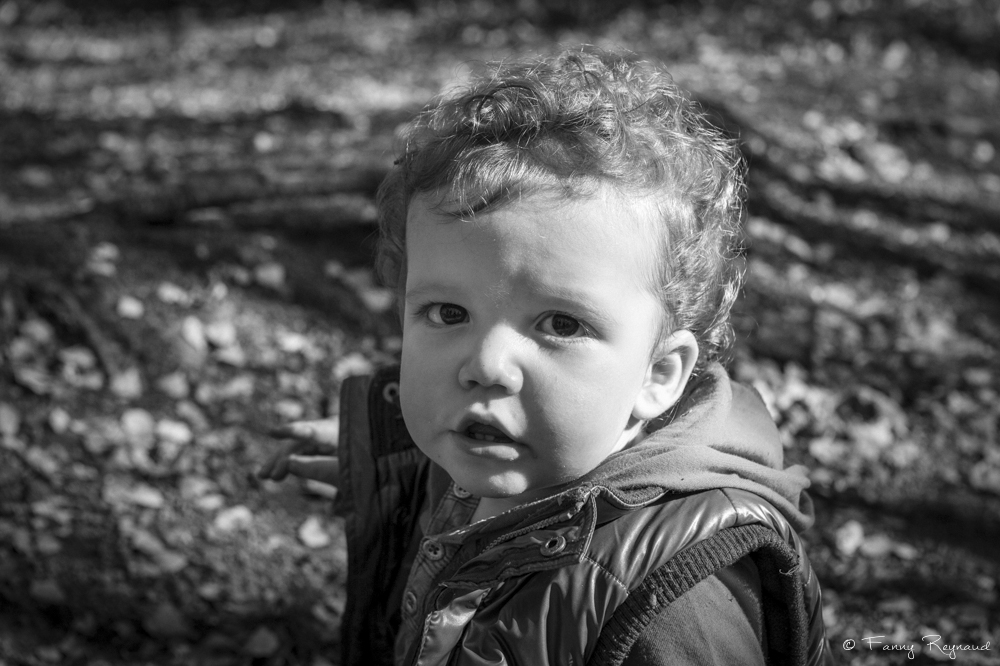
(487, 433)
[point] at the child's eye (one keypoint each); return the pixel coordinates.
(447, 314)
(562, 326)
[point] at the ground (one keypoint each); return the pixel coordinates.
(186, 232)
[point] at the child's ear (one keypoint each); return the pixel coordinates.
(669, 369)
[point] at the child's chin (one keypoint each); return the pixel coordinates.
(506, 486)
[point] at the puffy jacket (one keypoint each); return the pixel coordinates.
(571, 579)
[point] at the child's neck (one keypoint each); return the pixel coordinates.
(489, 507)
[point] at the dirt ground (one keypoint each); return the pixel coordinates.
(186, 208)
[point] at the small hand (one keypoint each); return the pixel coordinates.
(311, 453)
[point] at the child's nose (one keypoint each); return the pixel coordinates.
(492, 363)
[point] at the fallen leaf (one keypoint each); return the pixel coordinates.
(140, 428)
(262, 643)
(47, 592)
(849, 537)
(313, 534)
(174, 385)
(234, 518)
(170, 293)
(166, 621)
(270, 275)
(127, 384)
(130, 307)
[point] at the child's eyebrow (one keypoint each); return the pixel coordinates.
(576, 303)
(421, 291)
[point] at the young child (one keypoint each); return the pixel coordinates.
(560, 470)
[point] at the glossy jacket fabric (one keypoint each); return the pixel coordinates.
(539, 584)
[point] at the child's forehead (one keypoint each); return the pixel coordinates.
(546, 232)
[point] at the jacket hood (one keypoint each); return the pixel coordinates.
(724, 437)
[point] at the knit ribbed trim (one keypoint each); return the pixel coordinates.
(785, 618)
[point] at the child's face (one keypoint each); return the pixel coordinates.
(528, 334)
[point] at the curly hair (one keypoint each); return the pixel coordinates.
(573, 123)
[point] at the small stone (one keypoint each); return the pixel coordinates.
(105, 252)
(36, 380)
(10, 420)
(262, 643)
(312, 534)
(146, 542)
(221, 333)
(234, 518)
(54, 508)
(193, 415)
(333, 269)
(170, 293)
(193, 332)
(174, 385)
(48, 545)
(849, 537)
(127, 384)
(49, 653)
(264, 142)
(238, 388)
(118, 493)
(193, 487)
(828, 451)
(978, 377)
(171, 562)
(21, 350)
(38, 331)
(21, 541)
(47, 592)
(239, 275)
(877, 546)
(166, 621)
(377, 299)
(42, 461)
(102, 268)
(140, 428)
(351, 364)
(270, 275)
(210, 591)
(145, 496)
(292, 343)
(13, 444)
(78, 358)
(234, 356)
(59, 420)
(289, 410)
(130, 307)
(84, 472)
(211, 502)
(985, 476)
(898, 605)
(903, 454)
(173, 431)
(96, 443)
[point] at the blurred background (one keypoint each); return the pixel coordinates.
(186, 235)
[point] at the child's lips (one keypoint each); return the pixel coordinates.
(488, 440)
(486, 433)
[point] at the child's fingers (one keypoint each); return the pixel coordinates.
(322, 432)
(275, 468)
(325, 469)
